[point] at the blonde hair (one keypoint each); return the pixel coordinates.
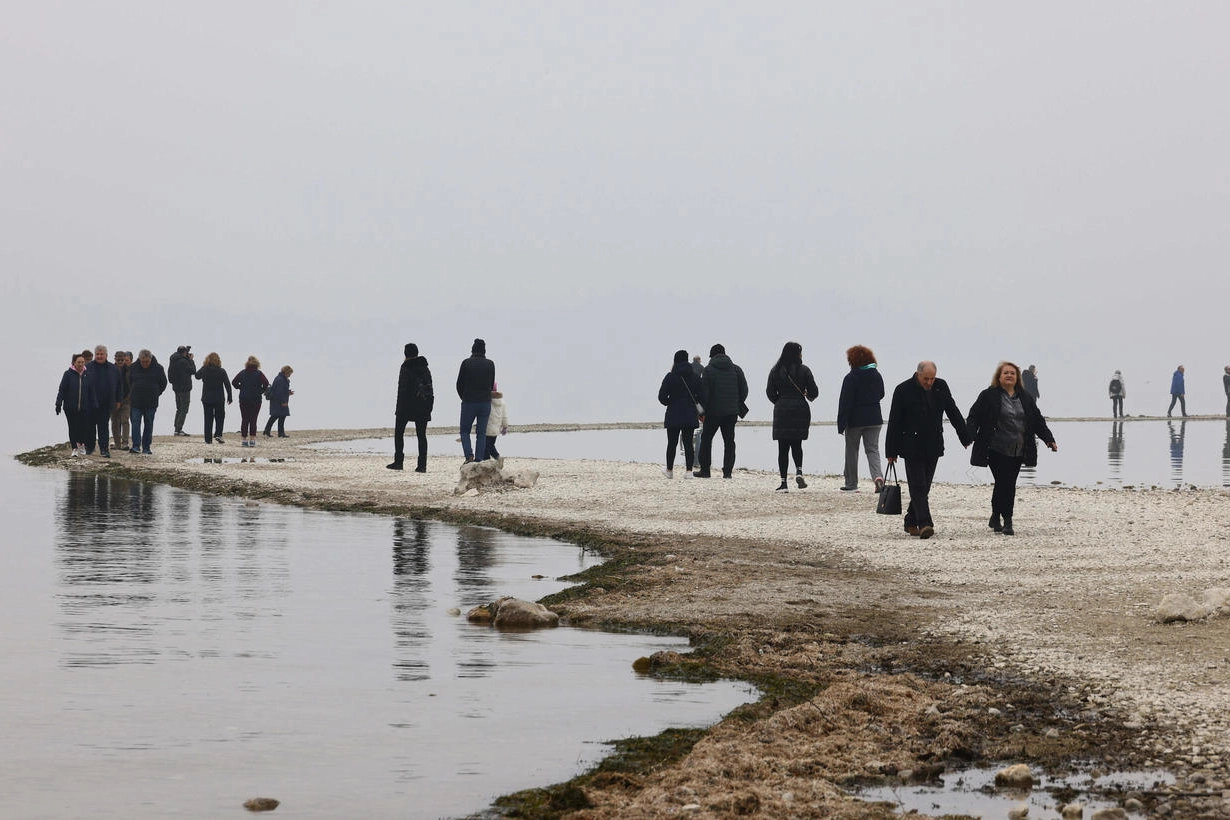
(255, 362)
(213, 359)
(1000, 368)
(286, 370)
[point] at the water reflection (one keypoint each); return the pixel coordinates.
(1176, 450)
(411, 597)
(1114, 453)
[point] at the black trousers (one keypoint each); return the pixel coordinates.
(785, 449)
(399, 439)
(99, 428)
(1004, 469)
(673, 435)
(727, 425)
(1181, 399)
(281, 420)
(919, 472)
(215, 416)
(1116, 407)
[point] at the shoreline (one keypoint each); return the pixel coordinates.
(1038, 648)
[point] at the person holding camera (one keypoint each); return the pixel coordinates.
(180, 370)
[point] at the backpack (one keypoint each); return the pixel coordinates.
(1115, 385)
(424, 392)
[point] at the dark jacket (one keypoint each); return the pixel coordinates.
(725, 387)
(279, 396)
(1030, 384)
(108, 383)
(76, 391)
(676, 393)
(476, 378)
(790, 389)
(859, 402)
(984, 419)
(916, 420)
(215, 384)
(146, 384)
(123, 385)
(180, 370)
(250, 382)
(416, 396)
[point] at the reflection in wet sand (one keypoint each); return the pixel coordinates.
(1114, 453)
(411, 597)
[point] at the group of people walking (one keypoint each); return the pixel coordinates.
(1002, 425)
(113, 403)
(1178, 391)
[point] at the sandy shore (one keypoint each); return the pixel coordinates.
(1037, 648)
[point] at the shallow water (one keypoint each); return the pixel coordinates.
(1135, 452)
(174, 654)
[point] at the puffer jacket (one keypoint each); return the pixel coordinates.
(790, 389)
(146, 384)
(725, 387)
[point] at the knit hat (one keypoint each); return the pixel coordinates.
(681, 356)
(479, 347)
(717, 350)
(412, 350)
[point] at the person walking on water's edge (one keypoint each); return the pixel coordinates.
(1029, 381)
(1117, 391)
(475, 381)
(790, 387)
(415, 399)
(279, 394)
(1178, 392)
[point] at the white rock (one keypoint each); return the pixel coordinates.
(1180, 607)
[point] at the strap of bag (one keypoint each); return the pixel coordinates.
(796, 387)
(891, 472)
(685, 387)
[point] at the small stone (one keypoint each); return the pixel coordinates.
(1133, 805)
(1109, 814)
(1072, 811)
(1018, 813)
(261, 804)
(690, 807)
(1015, 777)
(1052, 733)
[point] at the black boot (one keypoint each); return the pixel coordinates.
(396, 465)
(1008, 525)
(422, 465)
(994, 523)
(782, 488)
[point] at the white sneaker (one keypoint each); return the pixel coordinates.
(668, 473)
(688, 474)
(75, 453)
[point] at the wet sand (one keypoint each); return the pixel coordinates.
(886, 656)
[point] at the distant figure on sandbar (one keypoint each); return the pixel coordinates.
(1029, 381)
(475, 381)
(791, 386)
(726, 391)
(1117, 392)
(1225, 383)
(683, 394)
(416, 397)
(1178, 392)
(279, 394)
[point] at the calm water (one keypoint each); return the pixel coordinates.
(173, 654)
(1140, 453)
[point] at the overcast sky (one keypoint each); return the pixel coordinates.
(590, 187)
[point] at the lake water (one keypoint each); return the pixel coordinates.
(171, 654)
(1133, 452)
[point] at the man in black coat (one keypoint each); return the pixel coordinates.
(415, 399)
(726, 396)
(107, 389)
(475, 381)
(916, 433)
(180, 370)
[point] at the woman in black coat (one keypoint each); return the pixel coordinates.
(790, 387)
(858, 415)
(1003, 424)
(215, 395)
(76, 398)
(416, 397)
(681, 391)
(279, 394)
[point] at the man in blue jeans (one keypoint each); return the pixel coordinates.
(475, 381)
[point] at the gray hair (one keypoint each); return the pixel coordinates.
(145, 352)
(101, 348)
(924, 364)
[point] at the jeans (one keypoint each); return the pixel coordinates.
(183, 401)
(281, 420)
(727, 425)
(471, 412)
(142, 427)
(919, 473)
(1181, 399)
(870, 439)
(491, 451)
(215, 417)
(1004, 469)
(673, 435)
(399, 440)
(1116, 407)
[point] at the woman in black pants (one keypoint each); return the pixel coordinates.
(1003, 424)
(681, 391)
(790, 387)
(215, 395)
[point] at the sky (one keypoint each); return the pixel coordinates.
(592, 186)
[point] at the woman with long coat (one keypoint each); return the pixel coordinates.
(251, 384)
(279, 394)
(416, 397)
(76, 398)
(858, 415)
(790, 387)
(1003, 424)
(681, 391)
(215, 395)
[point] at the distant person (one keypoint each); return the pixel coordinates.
(180, 369)
(475, 381)
(858, 415)
(215, 396)
(147, 380)
(1118, 391)
(251, 384)
(1029, 381)
(75, 396)
(279, 394)
(699, 370)
(726, 392)
(697, 367)
(1225, 383)
(916, 433)
(107, 390)
(1178, 392)
(1003, 424)
(497, 422)
(415, 399)
(121, 423)
(682, 391)
(790, 389)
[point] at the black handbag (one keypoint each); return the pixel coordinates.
(889, 502)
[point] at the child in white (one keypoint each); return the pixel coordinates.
(497, 422)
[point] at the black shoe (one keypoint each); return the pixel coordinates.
(283, 435)
(106, 454)
(725, 475)
(420, 469)
(396, 465)
(218, 439)
(782, 488)
(701, 474)
(1008, 525)
(268, 434)
(994, 523)
(798, 479)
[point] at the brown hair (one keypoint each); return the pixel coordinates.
(213, 359)
(860, 356)
(286, 370)
(999, 369)
(254, 362)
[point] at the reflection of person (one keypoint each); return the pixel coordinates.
(682, 389)
(251, 383)
(1176, 449)
(107, 390)
(726, 394)
(1114, 448)
(916, 433)
(1029, 381)
(1117, 391)
(1178, 392)
(146, 381)
(75, 397)
(858, 415)
(180, 370)
(1003, 424)
(279, 394)
(215, 395)
(415, 399)
(1225, 383)
(475, 381)
(497, 422)
(790, 387)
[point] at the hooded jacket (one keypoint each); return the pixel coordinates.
(725, 387)
(278, 395)
(497, 422)
(146, 384)
(416, 397)
(1122, 391)
(180, 370)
